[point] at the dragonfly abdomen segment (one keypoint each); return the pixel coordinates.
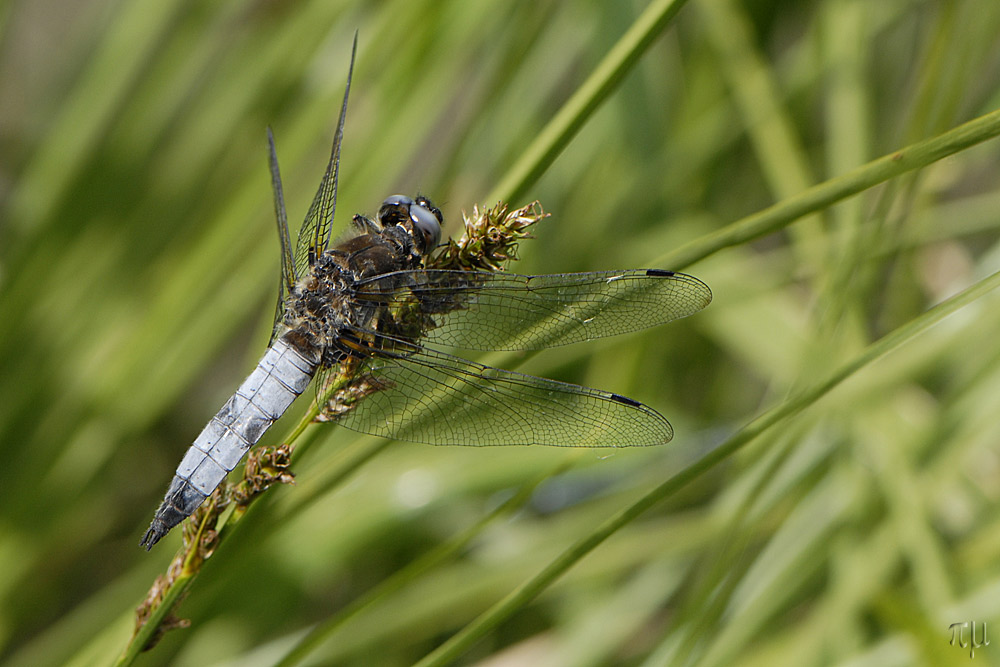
(281, 375)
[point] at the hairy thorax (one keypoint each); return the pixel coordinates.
(330, 299)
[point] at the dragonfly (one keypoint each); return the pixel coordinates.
(368, 315)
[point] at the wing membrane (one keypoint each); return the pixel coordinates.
(288, 276)
(427, 396)
(506, 311)
(314, 236)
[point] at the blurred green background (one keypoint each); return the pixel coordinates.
(138, 270)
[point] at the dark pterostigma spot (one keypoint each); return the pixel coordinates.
(626, 400)
(660, 273)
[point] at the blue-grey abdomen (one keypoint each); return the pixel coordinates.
(281, 375)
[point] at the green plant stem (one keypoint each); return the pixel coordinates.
(555, 136)
(820, 196)
(518, 598)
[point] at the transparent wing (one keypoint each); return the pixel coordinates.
(506, 311)
(426, 396)
(314, 236)
(288, 276)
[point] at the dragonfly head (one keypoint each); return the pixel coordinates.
(419, 217)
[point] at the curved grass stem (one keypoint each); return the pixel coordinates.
(780, 215)
(555, 136)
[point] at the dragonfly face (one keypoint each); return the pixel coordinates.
(366, 314)
(419, 217)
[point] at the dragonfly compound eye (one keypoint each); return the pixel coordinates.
(426, 224)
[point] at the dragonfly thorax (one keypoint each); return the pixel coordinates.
(331, 297)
